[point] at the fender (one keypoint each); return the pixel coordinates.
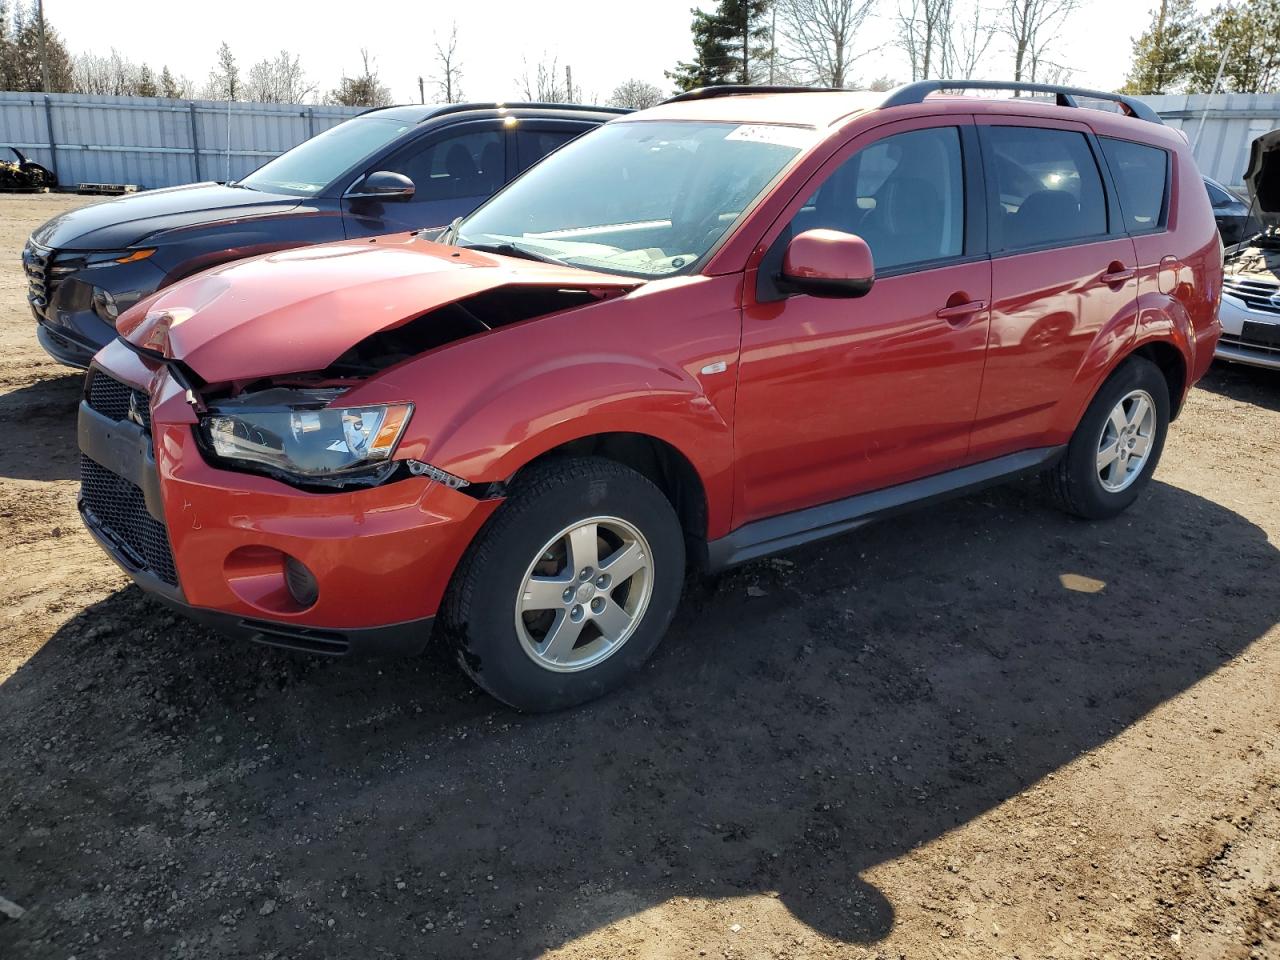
(489, 405)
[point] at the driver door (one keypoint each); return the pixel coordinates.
(453, 172)
(841, 396)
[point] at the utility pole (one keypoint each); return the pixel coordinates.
(568, 82)
(44, 56)
(422, 94)
(1226, 52)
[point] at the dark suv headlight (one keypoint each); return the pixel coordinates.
(296, 435)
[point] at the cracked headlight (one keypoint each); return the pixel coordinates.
(296, 434)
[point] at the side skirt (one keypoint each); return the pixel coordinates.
(763, 537)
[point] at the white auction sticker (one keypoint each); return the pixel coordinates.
(775, 133)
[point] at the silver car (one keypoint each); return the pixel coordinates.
(1250, 311)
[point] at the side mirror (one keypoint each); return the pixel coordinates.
(382, 185)
(828, 263)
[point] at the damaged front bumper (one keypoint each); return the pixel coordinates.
(330, 573)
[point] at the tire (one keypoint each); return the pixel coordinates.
(532, 659)
(1077, 483)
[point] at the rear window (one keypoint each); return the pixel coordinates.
(1047, 187)
(1141, 174)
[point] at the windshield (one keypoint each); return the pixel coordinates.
(314, 164)
(642, 198)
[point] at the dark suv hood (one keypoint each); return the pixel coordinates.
(131, 219)
(1263, 178)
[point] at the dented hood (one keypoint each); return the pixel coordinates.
(1263, 178)
(299, 310)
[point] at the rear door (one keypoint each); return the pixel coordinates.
(534, 139)
(453, 171)
(1063, 274)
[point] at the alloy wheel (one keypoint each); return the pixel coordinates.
(1125, 442)
(584, 594)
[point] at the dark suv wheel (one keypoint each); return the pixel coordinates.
(570, 586)
(1117, 444)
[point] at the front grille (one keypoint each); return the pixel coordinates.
(114, 399)
(36, 261)
(119, 509)
(1251, 344)
(1260, 295)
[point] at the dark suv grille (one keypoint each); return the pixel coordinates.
(111, 398)
(1260, 295)
(118, 508)
(36, 261)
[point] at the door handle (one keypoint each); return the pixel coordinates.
(961, 311)
(1117, 272)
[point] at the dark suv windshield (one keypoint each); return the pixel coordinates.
(642, 198)
(311, 166)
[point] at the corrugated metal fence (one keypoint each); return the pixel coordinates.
(1231, 122)
(151, 141)
(157, 143)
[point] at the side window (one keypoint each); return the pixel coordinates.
(904, 195)
(533, 145)
(1141, 174)
(1217, 196)
(1045, 187)
(466, 165)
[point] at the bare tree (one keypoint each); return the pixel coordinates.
(364, 90)
(279, 80)
(448, 77)
(968, 40)
(820, 35)
(636, 94)
(546, 85)
(1032, 27)
(924, 27)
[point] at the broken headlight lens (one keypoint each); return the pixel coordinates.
(297, 434)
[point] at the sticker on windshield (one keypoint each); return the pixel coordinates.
(776, 134)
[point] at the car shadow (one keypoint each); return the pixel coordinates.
(41, 442)
(1253, 385)
(808, 718)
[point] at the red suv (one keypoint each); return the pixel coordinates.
(743, 320)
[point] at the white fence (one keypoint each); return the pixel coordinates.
(155, 142)
(1231, 122)
(151, 141)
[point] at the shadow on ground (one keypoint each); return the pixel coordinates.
(40, 442)
(1246, 384)
(887, 687)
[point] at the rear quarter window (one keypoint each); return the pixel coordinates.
(1141, 175)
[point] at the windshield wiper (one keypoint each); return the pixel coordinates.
(510, 250)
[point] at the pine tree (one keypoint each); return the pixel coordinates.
(1162, 55)
(7, 74)
(22, 66)
(168, 85)
(147, 83)
(1248, 34)
(727, 44)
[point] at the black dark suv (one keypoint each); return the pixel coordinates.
(399, 168)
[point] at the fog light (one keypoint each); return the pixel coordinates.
(104, 305)
(301, 582)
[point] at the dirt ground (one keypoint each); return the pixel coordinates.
(985, 730)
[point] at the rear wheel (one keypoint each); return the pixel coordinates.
(570, 586)
(1117, 444)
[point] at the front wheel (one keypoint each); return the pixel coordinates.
(570, 586)
(1117, 444)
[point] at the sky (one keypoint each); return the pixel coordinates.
(605, 41)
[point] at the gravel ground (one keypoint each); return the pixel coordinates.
(985, 730)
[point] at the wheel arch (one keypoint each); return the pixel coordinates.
(656, 459)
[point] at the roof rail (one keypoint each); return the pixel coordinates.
(430, 111)
(742, 90)
(1066, 96)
